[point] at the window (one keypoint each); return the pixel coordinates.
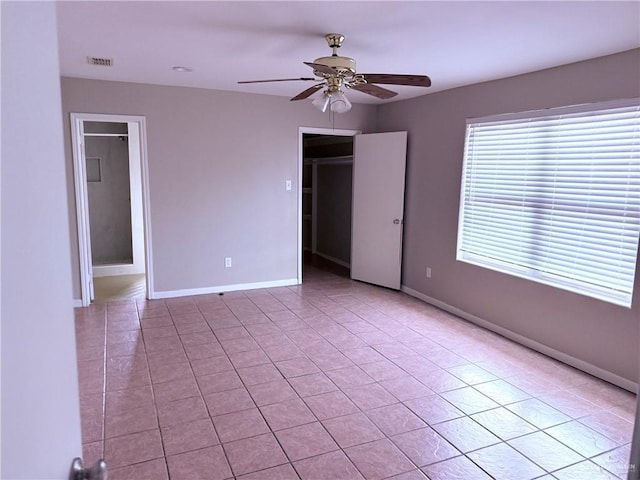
(554, 197)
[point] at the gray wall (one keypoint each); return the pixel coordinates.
(109, 201)
(596, 332)
(40, 412)
(218, 162)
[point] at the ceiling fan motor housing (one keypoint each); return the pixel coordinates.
(344, 65)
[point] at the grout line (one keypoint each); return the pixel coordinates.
(104, 383)
(165, 458)
(210, 417)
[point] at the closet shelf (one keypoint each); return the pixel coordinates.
(344, 159)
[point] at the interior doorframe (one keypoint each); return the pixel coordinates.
(82, 203)
(301, 132)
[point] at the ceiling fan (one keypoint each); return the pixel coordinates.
(336, 72)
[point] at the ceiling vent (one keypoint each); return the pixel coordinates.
(101, 62)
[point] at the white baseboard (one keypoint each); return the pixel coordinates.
(225, 288)
(333, 259)
(527, 342)
(77, 303)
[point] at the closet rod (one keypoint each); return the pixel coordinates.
(106, 134)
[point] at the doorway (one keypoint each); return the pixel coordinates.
(111, 201)
(369, 229)
(325, 200)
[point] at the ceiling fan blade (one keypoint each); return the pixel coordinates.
(280, 80)
(322, 68)
(308, 92)
(375, 90)
(393, 79)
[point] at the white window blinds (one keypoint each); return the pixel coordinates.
(555, 197)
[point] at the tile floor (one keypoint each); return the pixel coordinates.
(333, 379)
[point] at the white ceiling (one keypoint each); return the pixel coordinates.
(456, 43)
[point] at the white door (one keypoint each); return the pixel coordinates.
(378, 207)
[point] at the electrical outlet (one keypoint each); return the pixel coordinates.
(428, 272)
(287, 185)
(227, 262)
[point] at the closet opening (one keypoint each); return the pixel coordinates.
(327, 172)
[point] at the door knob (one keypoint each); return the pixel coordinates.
(98, 471)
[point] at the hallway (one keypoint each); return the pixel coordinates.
(119, 287)
(333, 379)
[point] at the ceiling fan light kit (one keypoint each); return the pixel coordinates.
(321, 102)
(338, 102)
(337, 72)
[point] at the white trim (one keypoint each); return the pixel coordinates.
(77, 303)
(329, 131)
(301, 132)
(80, 183)
(135, 195)
(146, 208)
(333, 259)
(226, 288)
(527, 342)
(84, 239)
